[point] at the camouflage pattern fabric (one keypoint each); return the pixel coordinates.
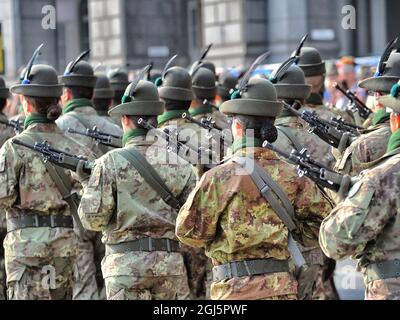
(6, 133)
(27, 188)
(227, 215)
(366, 224)
(137, 212)
(85, 283)
(89, 115)
(318, 149)
(40, 278)
(366, 149)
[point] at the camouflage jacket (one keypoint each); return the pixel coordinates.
(118, 202)
(227, 215)
(225, 191)
(366, 224)
(367, 148)
(89, 115)
(318, 149)
(6, 133)
(27, 188)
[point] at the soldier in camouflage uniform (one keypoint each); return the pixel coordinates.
(103, 97)
(227, 215)
(371, 145)
(142, 255)
(175, 89)
(41, 245)
(5, 134)
(79, 114)
(366, 223)
(291, 87)
(314, 70)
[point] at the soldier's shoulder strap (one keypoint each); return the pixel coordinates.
(150, 175)
(277, 198)
(61, 180)
(289, 134)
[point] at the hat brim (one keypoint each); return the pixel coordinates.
(4, 93)
(174, 93)
(311, 70)
(379, 84)
(138, 108)
(78, 81)
(103, 94)
(252, 107)
(205, 93)
(224, 92)
(390, 102)
(36, 90)
(293, 91)
(119, 86)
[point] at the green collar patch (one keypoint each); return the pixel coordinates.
(380, 116)
(204, 109)
(36, 118)
(245, 143)
(170, 115)
(394, 141)
(134, 133)
(76, 103)
(315, 99)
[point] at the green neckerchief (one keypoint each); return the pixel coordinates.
(169, 115)
(315, 99)
(204, 109)
(286, 113)
(380, 116)
(245, 143)
(394, 141)
(77, 103)
(134, 133)
(36, 118)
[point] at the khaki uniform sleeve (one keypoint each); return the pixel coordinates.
(190, 185)
(357, 220)
(312, 205)
(197, 220)
(98, 202)
(10, 166)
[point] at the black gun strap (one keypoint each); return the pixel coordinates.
(61, 180)
(86, 124)
(277, 199)
(150, 175)
(289, 134)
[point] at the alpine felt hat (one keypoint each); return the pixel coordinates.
(310, 62)
(176, 84)
(103, 88)
(81, 75)
(204, 84)
(292, 85)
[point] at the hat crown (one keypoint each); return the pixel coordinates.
(204, 78)
(177, 77)
(145, 91)
(102, 82)
(228, 80)
(43, 75)
(260, 89)
(294, 75)
(83, 68)
(309, 56)
(209, 65)
(118, 76)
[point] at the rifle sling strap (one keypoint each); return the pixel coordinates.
(150, 175)
(277, 199)
(61, 180)
(289, 134)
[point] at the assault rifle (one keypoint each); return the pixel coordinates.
(184, 150)
(103, 138)
(213, 130)
(57, 157)
(306, 166)
(18, 125)
(355, 104)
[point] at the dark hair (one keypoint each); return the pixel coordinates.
(102, 104)
(81, 92)
(176, 105)
(47, 106)
(3, 103)
(152, 120)
(118, 94)
(264, 128)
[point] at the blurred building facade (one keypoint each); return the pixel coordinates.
(135, 32)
